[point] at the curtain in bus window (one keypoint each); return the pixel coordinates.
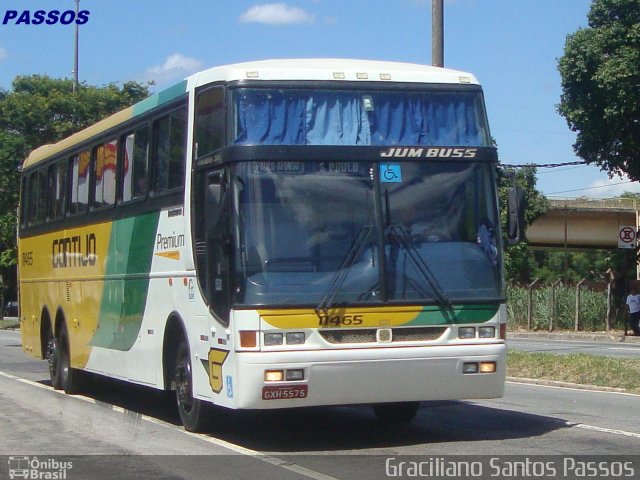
(437, 119)
(336, 119)
(280, 117)
(270, 117)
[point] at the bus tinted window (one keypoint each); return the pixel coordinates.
(170, 142)
(106, 156)
(57, 190)
(209, 121)
(79, 173)
(33, 198)
(136, 164)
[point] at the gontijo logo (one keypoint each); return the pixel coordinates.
(45, 17)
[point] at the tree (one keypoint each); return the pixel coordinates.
(601, 87)
(40, 110)
(517, 262)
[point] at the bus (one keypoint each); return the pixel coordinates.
(274, 234)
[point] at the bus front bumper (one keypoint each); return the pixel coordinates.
(361, 376)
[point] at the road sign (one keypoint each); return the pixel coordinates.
(627, 237)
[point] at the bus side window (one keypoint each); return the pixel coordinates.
(209, 121)
(57, 190)
(136, 164)
(32, 216)
(169, 148)
(106, 163)
(79, 176)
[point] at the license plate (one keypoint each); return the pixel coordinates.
(284, 392)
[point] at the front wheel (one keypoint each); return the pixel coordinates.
(401, 412)
(194, 413)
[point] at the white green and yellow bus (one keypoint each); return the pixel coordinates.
(276, 234)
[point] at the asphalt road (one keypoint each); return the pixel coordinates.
(558, 346)
(120, 431)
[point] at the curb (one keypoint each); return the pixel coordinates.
(577, 336)
(555, 383)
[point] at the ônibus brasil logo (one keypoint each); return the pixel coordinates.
(38, 469)
(44, 17)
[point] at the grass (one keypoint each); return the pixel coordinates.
(13, 323)
(580, 368)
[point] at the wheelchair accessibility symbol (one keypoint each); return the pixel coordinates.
(390, 173)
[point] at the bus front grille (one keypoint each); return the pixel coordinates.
(362, 335)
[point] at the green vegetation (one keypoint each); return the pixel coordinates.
(600, 77)
(580, 369)
(593, 308)
(39, 110)
(4, 324)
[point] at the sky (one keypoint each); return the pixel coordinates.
(511, 46)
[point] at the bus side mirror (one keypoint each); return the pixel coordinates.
(213, 195)
(515, 215)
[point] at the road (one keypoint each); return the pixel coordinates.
(126, 424)
(557, 346)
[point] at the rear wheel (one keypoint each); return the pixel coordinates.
(53, 358)
(401, 412)
(194, 413)
(70, 378)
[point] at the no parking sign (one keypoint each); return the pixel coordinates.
(627, 237)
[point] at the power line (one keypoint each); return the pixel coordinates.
(544, 165)
(591, 188)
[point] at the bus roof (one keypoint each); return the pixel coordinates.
(284, 69)
(331, 69)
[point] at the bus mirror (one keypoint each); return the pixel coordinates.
(212, 199)
(515, 215)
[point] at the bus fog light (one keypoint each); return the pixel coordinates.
(271, 339)
(467, 332)
(294, 375)
(487, 367)
(470, 367)
(295, 338)
(273, 375)
(487, 332)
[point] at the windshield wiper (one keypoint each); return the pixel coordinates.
(339, 277)
(402, 238)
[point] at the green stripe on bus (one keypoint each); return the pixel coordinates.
(458, 314)
(123, 299)
(160, 98)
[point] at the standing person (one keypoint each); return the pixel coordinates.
(633, 308)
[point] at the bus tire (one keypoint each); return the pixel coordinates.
(70, 378)
(400, 412)
(195, 414)
(53, 359)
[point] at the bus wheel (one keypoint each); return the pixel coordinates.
(194, 413)
(53, 358)
(69, 377)
(401, 412)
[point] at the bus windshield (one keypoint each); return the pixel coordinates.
(308, 231)
(269, 116)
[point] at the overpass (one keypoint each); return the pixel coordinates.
(579, 223)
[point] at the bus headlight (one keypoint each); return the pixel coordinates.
(271, 339)
(487, 332)
(295, 338)
(467, 332)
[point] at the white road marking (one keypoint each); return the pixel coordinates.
(213, 440)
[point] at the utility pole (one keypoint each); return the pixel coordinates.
(75, 53)
(437, 33)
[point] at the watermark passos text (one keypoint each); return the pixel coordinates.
(45, 17)
(502, 467)
(34, 468)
